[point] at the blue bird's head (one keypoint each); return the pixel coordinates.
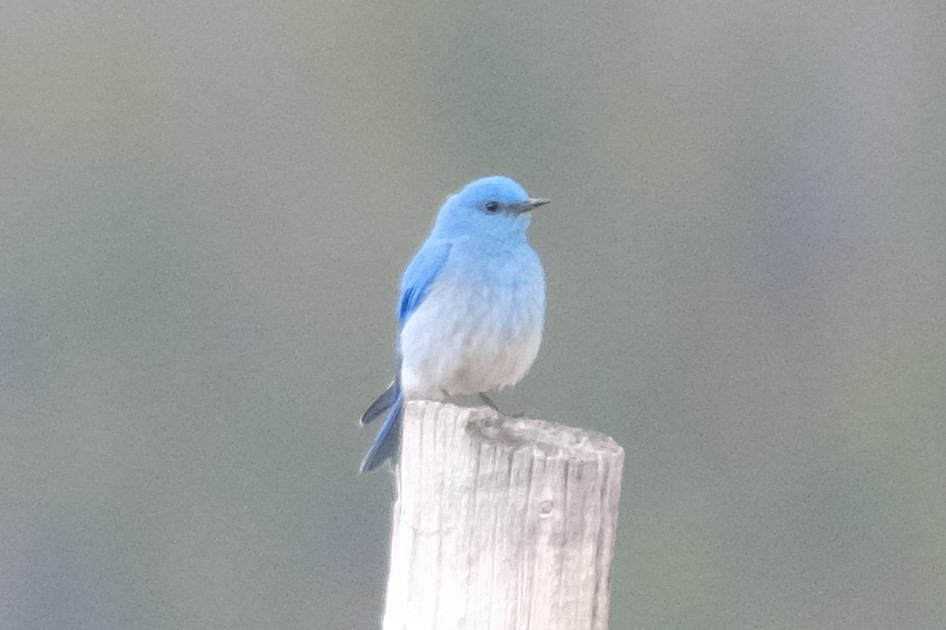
(490, 207)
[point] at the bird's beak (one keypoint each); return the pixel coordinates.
(531, 204)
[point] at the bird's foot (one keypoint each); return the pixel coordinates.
(489, 403)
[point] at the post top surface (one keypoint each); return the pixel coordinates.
(552, 439)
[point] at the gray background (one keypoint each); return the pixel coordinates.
(205, 208)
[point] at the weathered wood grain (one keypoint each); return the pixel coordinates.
(501, 523)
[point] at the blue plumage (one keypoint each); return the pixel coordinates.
(471, 307)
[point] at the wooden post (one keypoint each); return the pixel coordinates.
(501, 523)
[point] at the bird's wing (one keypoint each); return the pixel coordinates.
(415, 285)
(420, 275)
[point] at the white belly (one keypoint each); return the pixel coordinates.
(474, 333)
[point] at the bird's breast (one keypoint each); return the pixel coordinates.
(478, 329)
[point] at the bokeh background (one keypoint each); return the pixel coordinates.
(205, 208)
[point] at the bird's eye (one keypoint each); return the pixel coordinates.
(492, 206)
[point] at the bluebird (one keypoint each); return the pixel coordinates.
(471, 307)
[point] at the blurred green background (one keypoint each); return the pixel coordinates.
(205, 208)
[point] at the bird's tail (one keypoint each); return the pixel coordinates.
(388, 439)
(382, 404)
